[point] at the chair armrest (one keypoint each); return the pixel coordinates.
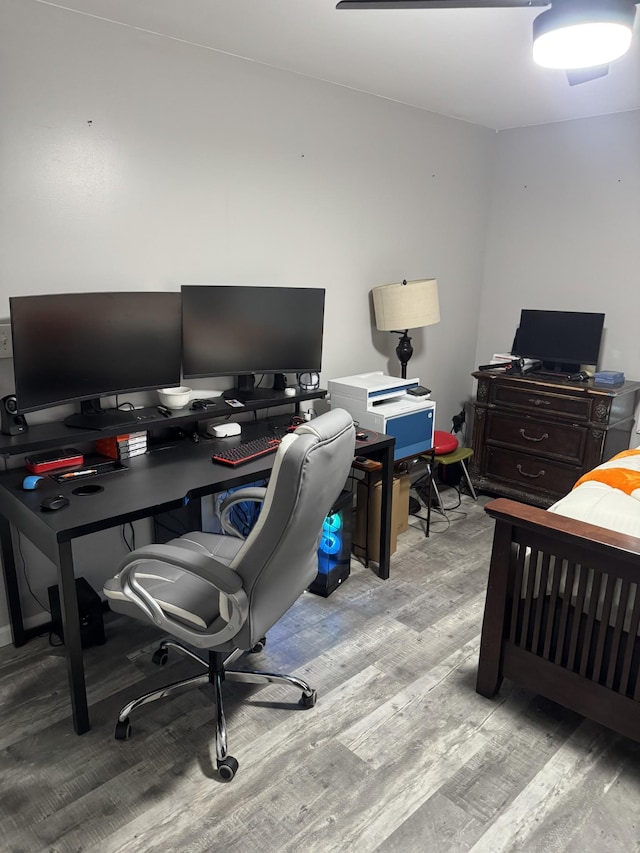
(220, 577)
(250, 493)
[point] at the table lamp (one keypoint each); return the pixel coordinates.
(404, 306)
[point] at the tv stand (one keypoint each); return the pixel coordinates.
(559, 368)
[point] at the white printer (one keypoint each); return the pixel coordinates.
(381, 403)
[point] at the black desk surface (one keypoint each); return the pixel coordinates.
(160, 480)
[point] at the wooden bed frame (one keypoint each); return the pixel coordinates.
(581, 650)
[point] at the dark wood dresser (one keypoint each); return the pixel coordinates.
(534, 437)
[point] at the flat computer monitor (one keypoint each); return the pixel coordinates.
(561, 340)
(240, 331)
(83, 346)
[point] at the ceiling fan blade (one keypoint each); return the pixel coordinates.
(438, 4)
(583, 75)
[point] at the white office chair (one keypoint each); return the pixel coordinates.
(222, 593)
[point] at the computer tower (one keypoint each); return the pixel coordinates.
(90, 610)
(334, 553)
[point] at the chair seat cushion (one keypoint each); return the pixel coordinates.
(457, 455)
(185, 597)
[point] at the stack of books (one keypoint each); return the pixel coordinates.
(124, 446)
(608, 377)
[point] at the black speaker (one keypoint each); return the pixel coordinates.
(11, 422)
(279, 381)
(90, 610)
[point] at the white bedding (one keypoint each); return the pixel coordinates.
(598, 503)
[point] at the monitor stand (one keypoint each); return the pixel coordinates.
(247, 391)
(557, 370)
(92, 416)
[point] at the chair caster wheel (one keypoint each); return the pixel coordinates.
(309, 701)
(227, 768)
(259, 646)
(160, 656)
(123, 729)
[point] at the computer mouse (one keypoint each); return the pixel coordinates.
(54, 502)
(31, 482)
(362, 436)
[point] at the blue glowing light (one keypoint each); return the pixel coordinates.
(330, 543)
(332, 522)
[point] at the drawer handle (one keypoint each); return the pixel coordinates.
(531, 476)
(533, 438)
(539, 402)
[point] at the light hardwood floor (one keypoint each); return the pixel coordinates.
(399, 754)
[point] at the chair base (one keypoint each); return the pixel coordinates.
(216, 673)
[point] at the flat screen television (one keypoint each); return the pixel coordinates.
(83, 346)
(561, 340)
(240, 331)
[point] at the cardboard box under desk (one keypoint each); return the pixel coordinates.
(369, 510)
(401, 506)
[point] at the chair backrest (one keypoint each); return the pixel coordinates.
(279, 558)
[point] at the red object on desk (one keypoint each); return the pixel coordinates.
(43, 462)
(246, 451)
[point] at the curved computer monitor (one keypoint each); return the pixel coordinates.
(240, 331)
(83, 346)
(561, 340)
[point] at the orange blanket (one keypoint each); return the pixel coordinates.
(616, 476)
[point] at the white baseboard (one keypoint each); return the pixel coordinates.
(29, 622)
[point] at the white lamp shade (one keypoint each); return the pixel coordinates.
(406, 305)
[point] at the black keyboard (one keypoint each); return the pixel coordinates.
(246, 451)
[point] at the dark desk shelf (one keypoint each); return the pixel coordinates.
(58, 434)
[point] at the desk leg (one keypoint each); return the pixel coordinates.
(385, 512)
(72, 641)
(11, 584)
(194, 514)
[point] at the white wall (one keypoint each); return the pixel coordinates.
(565, 232)
(132, 161)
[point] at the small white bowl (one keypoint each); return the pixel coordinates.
(175, 398)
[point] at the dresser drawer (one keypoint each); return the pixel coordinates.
(544, 403)
(561, 441)
(528, 473)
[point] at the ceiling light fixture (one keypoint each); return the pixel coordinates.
(583, 34)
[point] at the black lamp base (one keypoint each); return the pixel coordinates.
(404, 351)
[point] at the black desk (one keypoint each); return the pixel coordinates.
(159, 481)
